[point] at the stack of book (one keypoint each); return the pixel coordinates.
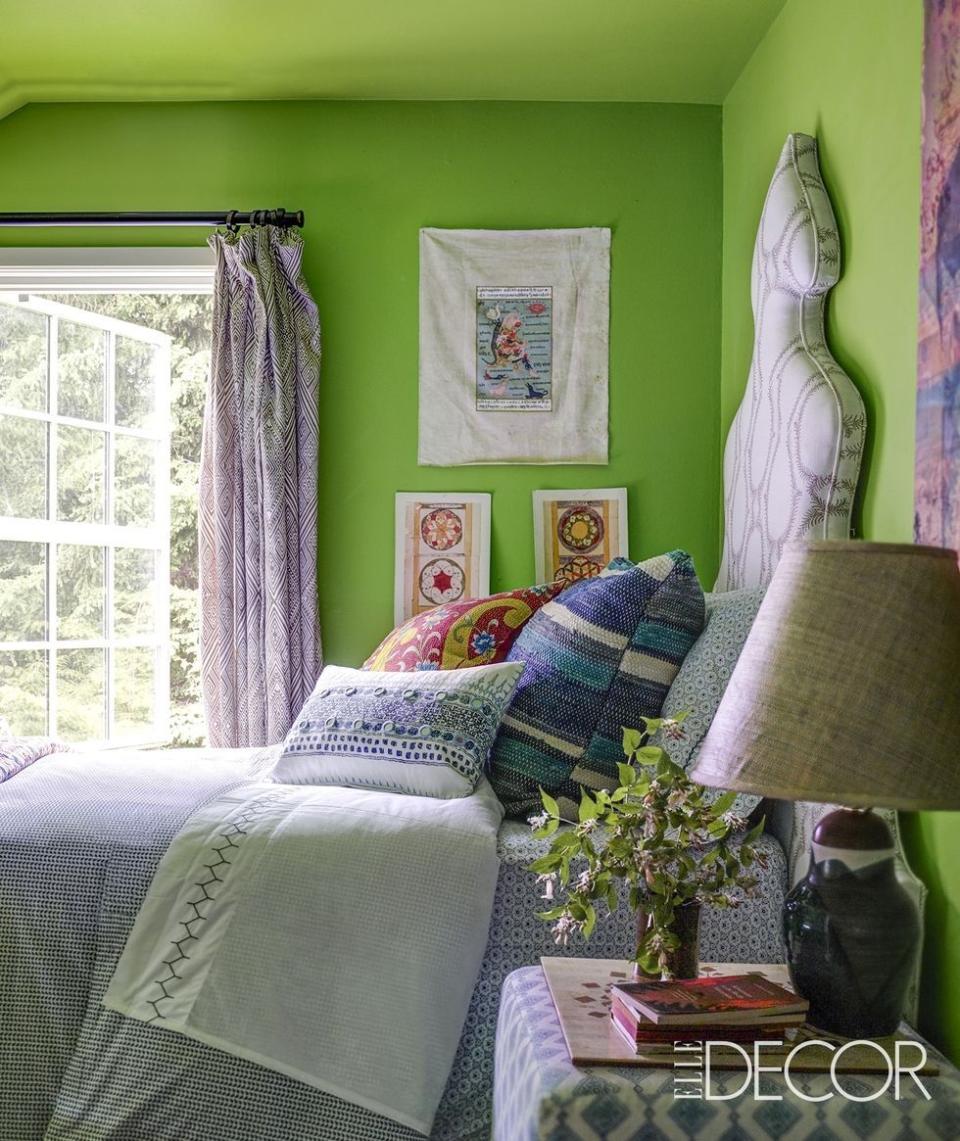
(652, 1016)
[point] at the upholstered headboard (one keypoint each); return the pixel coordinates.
(792, 459)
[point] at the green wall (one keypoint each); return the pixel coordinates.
(849, 72)
(369, 175)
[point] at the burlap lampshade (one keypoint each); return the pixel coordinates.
(848, 688)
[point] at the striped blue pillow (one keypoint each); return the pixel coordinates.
(597, 658)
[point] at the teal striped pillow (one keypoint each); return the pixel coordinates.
(597, 658)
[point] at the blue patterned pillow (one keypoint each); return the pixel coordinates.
(427, 734)
(598, 657)
(703, 677)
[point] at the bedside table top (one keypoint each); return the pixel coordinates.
(539, 1093)
(580, 989)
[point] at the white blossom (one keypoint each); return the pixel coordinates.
(672, 729)
(539, 821)
(584, 881)
(549, 882)
(564, 927)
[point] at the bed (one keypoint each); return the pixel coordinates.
(82, 835)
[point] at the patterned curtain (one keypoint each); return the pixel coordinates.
(259, 636)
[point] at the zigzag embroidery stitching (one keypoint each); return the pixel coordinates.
(229, 836)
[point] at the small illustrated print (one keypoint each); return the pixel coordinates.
(515, 349)
(576, 533)
(442, 550)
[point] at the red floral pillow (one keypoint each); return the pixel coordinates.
(469, 632)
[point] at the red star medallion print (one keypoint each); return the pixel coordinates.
(441, 580)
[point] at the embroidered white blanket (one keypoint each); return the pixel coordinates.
(334, 935)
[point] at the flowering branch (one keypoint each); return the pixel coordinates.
(657, 833)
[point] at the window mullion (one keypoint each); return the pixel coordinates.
(108, 518)
(163, 586)
(53, 396)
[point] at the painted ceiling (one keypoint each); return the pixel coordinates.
(687, 51)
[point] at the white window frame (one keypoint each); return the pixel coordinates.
(28, 271)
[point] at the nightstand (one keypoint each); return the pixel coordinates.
(540, 1094)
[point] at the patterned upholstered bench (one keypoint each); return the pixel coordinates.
(539, 1095)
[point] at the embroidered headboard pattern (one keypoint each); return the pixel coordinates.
(793, 454)
(792, 458)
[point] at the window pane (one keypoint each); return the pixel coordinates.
(82, 363)
(23, 471)
(23, 690)
(135, 397)
(23, 592)
(133, 587)
(134, 672)
(81, 689)
(81, 457)
(23, 358)
(134, 493)
(80, 592)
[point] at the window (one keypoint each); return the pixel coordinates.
(98, 624)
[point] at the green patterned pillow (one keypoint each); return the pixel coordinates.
(598, 657)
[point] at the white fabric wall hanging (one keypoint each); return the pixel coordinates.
(514, 346)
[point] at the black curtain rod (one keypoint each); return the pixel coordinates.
(279, 217)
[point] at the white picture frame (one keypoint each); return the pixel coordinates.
(446, 534)
(574, 546)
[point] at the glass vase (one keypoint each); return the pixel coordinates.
(684, 962)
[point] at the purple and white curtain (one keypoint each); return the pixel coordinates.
(259, 635)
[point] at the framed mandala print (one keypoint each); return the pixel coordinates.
(442, 550)
(514, 346)
(576, 533)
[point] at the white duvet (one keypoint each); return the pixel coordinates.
(332, 934)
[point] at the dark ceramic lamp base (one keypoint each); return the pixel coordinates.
(852, 931)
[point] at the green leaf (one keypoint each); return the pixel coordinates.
(550, 804)
(591, 922)
(566, 840)
(544, 864)
(723, 803)
(632, 740)
(547, 830)
(588, 807)
(627, 774)
(755, 833)
(650, 755)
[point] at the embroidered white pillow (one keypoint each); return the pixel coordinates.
(427, 733)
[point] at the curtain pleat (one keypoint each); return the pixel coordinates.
(259, 634)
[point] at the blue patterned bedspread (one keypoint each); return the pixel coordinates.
(80, 839)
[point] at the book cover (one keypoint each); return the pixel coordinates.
(725, 999)
(648, 1035)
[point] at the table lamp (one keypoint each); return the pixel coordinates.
(847, 692)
